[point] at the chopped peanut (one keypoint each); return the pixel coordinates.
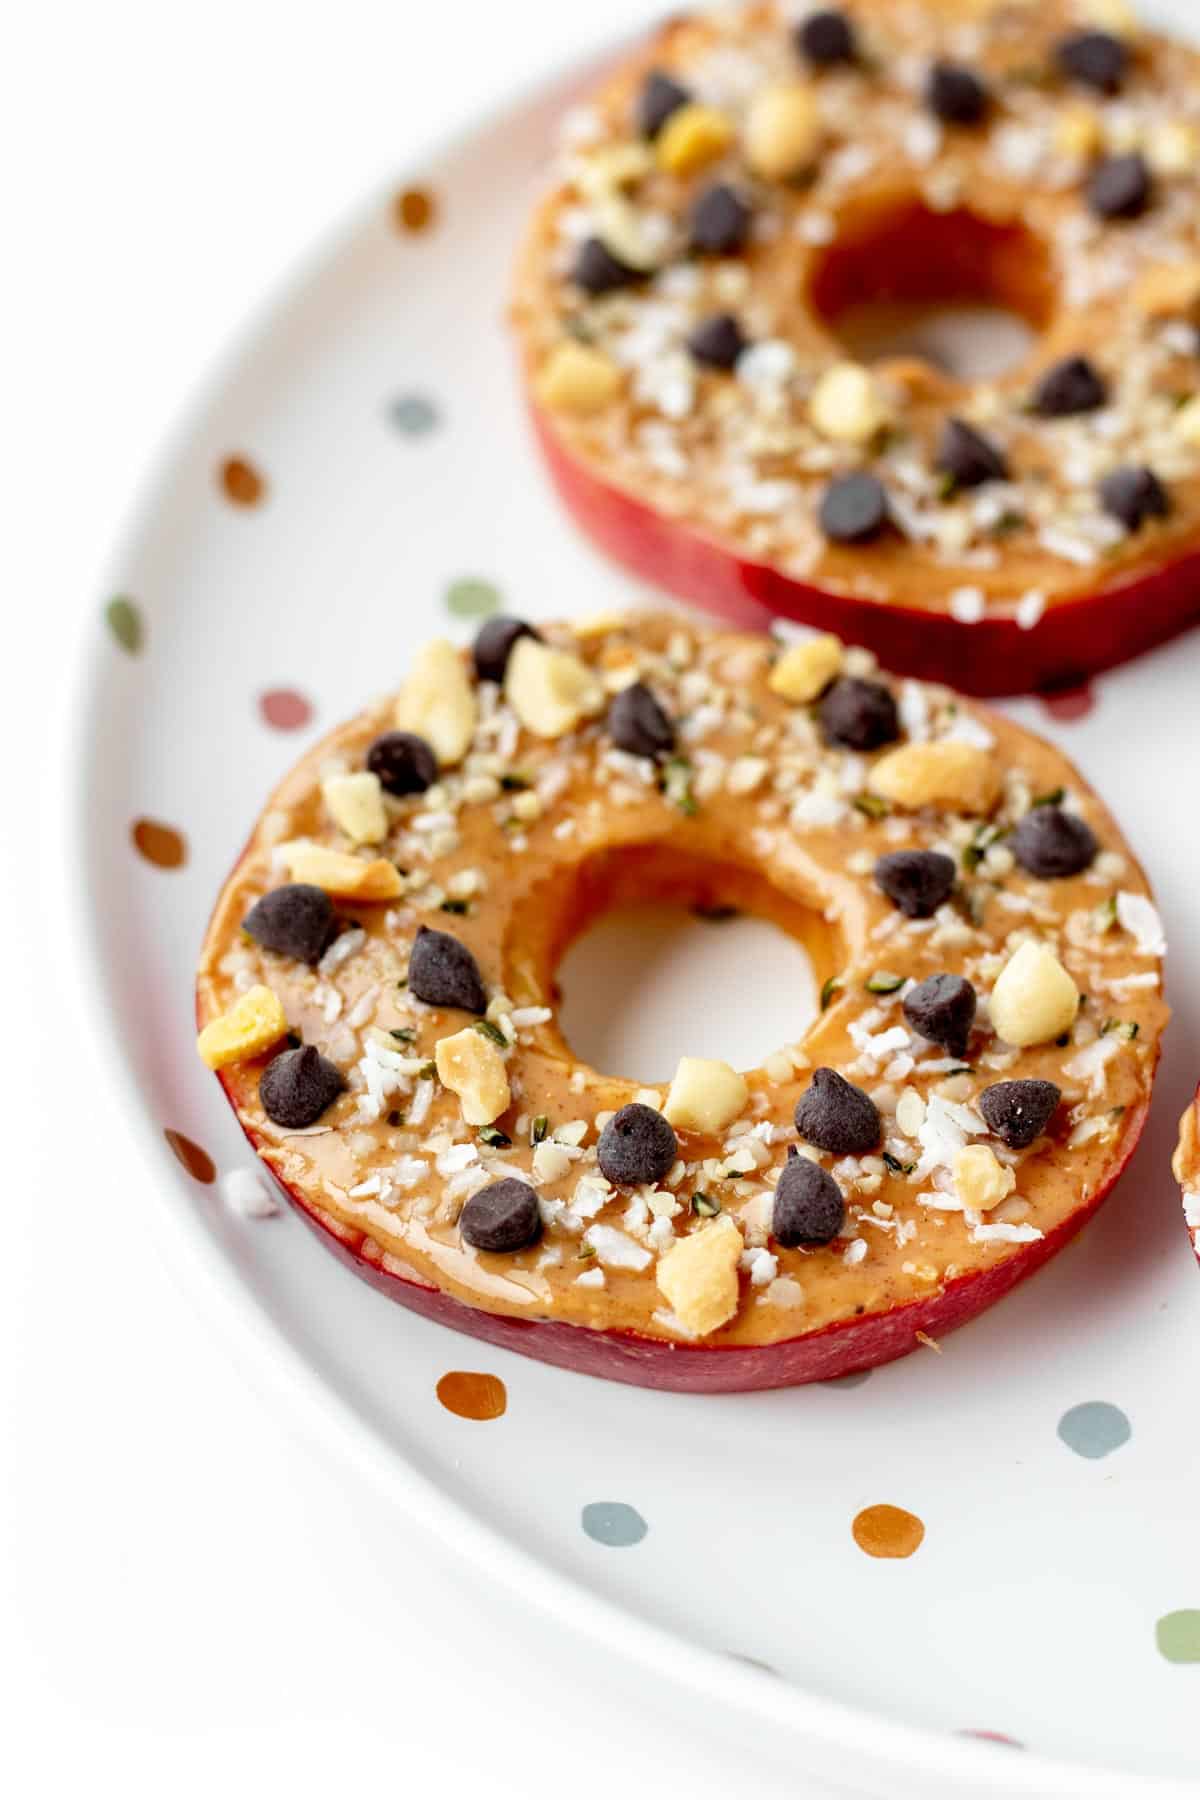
(805, 671)
(471, 1066)
(782, 132)
(1169, 290)
(981, 1178)
(1187, 422)
(438, 702)
(612, 167)
(1034, 999)
(1172, 147)
(947, 773)
(577, 379)
(339, 873)
(355, 804)
(847, 405)
(550, 691)
(253, 1023)
(706, 1095)
(698, 1276)
(1079, 133)
(693, 137)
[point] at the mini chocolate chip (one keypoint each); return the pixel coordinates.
(854, 509)
(404, 762)
(1068, 387)
(598, 271)
(1120, 187)
(1134, 495)
(494, 644)
(443, 972)
(637, 1145)
(1019, 1111)
(809, 1208)
(1051, 843)
(502, 1217)
(836, 1116)
(955, 94)
(916, 882)
(720, 221)
(942, 1009)
(1096, 58)
(858, 715)
(826, 38)
(660, 96)
(718, 341)
(297, 1086)
(297, 920)
(638, 724)
(968, 457)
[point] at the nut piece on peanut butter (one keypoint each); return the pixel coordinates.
(693, 137)
(339, 873)
(698, 1276)
(804, 672)
(981, 1178)
(947, 773)
(550, 691)
(438, 702)
(355, 804)
(577, 379)
(471, 1066)
(253, 1024)
(706, 1095)
(782, 133)
(1034, 999)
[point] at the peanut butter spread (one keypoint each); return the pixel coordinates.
(1186, 1167)
(988, 1033)
(724, 201)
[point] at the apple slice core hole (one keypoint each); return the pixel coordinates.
(654, 956)
(965, 296)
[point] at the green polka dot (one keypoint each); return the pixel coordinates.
(613, 1523)
(1177, 1635)
(471, 598)
(1094, 1429)
(125, 623)
(413, 415)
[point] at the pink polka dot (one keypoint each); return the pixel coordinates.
(1069, 703)
(284, 709)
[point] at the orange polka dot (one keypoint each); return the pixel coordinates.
(471, 1395)
(198, 1163)
(160, 844)
(414, 209)
(887, 1531)
(241, 482)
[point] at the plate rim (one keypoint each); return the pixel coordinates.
(193, 1257)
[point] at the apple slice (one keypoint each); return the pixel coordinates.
(843, 1348)
(1073, 639)
(1186, 1167)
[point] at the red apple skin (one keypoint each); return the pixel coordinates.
(697, 1368)
(1073, 639)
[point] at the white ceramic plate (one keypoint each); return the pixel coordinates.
(376, 401)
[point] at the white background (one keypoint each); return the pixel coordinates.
(194, 1597)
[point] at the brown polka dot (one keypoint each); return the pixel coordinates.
(241, 482)
(471, 1395)
(284, 709)
(887, 1531)
(160, 844)
(198, 1163)
(414, 209)
(1070, 703)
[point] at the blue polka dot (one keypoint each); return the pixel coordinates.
(413, 414)
(612, 1522)
(1094, 1429)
